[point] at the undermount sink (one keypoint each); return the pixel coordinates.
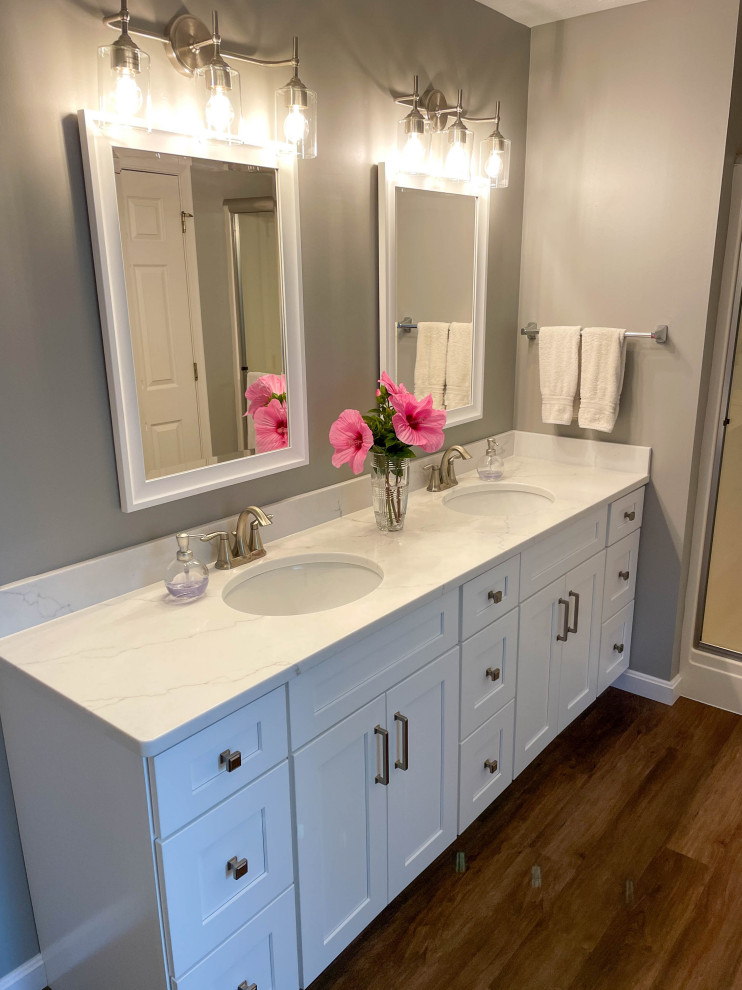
(304, 583)
(493, 498)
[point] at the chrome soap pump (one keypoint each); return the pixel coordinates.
(186, 577)
(490, 465)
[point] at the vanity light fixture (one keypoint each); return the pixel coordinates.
(494, 156)
(197, 52)
(123, 74)
(413, 138)
(430, 114)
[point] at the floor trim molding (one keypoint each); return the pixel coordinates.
(647, 686)
(30, 976)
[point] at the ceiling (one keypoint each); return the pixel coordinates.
(533, 12)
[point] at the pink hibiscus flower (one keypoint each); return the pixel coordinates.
(391, 387)
(260, 392)
(352, 439)
(417, 422)
(271, 427)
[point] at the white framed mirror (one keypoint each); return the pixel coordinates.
(433, 288)
(198, 266)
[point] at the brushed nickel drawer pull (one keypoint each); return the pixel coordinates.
(495, 597)
(631, 516)
(382, 777)
(618, 647)
(232, 761)
(491, 765)
(493, 673)
(565, 627)
(237, 867)
(576, 596)
(403, 763)
(624, 575)
(247, 986)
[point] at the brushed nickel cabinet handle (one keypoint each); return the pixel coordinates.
(565, 627)
(618, 647)
(624, 575)
(403, 762)
(382, 777)
(232, 761)
(237, 867)
(247, 986)
(490, 765)
(493, 673)
(495, 597)
(631, 516)
(575, 595)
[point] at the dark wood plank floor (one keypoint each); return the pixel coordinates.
(614, 862)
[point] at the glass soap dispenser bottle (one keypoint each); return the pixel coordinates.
(186, 577)
(490, 465)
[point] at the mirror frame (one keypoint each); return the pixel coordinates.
(136, 491)
(389, 181)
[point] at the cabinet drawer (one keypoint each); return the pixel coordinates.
(615, 646)
(357, 674)
(488, 672)
(191, 777)
(620, 574)
(205, 900)
(262, 953)
(478, 786)
(554, 555)
(489, 596)
(625, 515)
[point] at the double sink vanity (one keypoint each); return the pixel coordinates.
(222, 795)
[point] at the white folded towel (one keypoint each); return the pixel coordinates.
(603, 361)
(558, 364)
(430, 361)
(458, 366)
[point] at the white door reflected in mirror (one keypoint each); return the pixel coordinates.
(199, 282)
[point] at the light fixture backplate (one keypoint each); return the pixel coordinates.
(432, 102)
(182, 33)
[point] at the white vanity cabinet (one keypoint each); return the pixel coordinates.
(376, 794)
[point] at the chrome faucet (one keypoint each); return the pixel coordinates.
(448, 472)
(248, 544)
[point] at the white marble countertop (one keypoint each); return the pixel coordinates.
(152, 671)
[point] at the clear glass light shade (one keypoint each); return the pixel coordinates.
(413, 145)
(494, 160)
(296, 119)
(220, 98)
(457, 150)
(123, 83)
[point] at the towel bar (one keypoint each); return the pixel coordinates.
(659, 335)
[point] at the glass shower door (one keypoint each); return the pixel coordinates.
(721, 627)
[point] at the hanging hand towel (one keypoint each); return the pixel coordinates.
(603, 360)
(458, 366)
(430, 362)
(558, 364)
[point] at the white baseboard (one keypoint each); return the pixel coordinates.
(30, 976)
(647, 686)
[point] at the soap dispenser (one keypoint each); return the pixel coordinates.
(186, 577)
(490, 466)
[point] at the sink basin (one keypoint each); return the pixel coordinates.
(311, 582)
(496, 499)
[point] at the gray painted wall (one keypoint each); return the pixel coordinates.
(628, 114)
(59, 492)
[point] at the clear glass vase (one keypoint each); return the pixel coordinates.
(390, 482)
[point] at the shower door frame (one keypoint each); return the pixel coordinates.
(710, 674)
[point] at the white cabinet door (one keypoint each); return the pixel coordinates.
(542, 619)
(578, 678)
(341, 815)
(422, 718)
